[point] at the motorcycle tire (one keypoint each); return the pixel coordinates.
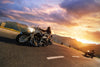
(18, 39)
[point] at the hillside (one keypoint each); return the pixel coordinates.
(14, 25)
(69, 41)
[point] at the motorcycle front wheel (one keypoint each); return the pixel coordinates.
(22, 38)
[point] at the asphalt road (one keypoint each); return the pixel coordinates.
(13, 55)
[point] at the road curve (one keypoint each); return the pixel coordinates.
(13, 55)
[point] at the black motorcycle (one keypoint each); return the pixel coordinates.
(90, 54)
(32, 39)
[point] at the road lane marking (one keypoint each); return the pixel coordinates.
(76, 56)
(54, 57)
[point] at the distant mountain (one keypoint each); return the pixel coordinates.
(15, 26)
(69, 41)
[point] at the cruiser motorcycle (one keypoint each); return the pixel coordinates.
(90, 54)
(35, 37)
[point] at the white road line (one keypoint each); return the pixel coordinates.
(76, 56)
(54, 57)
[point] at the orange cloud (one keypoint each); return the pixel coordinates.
(7, 1)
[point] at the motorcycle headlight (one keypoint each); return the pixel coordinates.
(31, 29)
(88, 51)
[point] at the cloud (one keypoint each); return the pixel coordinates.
(80, 7)
(7, 1)
(46, 14)
(41, 12)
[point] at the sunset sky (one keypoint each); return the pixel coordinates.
(79, 19)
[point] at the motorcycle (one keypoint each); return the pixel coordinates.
(46, 39)
(35, 37)
(90, 54)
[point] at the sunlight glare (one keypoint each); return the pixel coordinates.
(86, 41)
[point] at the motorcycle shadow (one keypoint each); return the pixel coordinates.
(86, 56)
(7, 40)
(13, 42)
(29, 45)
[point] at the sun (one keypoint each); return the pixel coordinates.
(86, 41)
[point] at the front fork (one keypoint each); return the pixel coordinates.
(32, 41)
